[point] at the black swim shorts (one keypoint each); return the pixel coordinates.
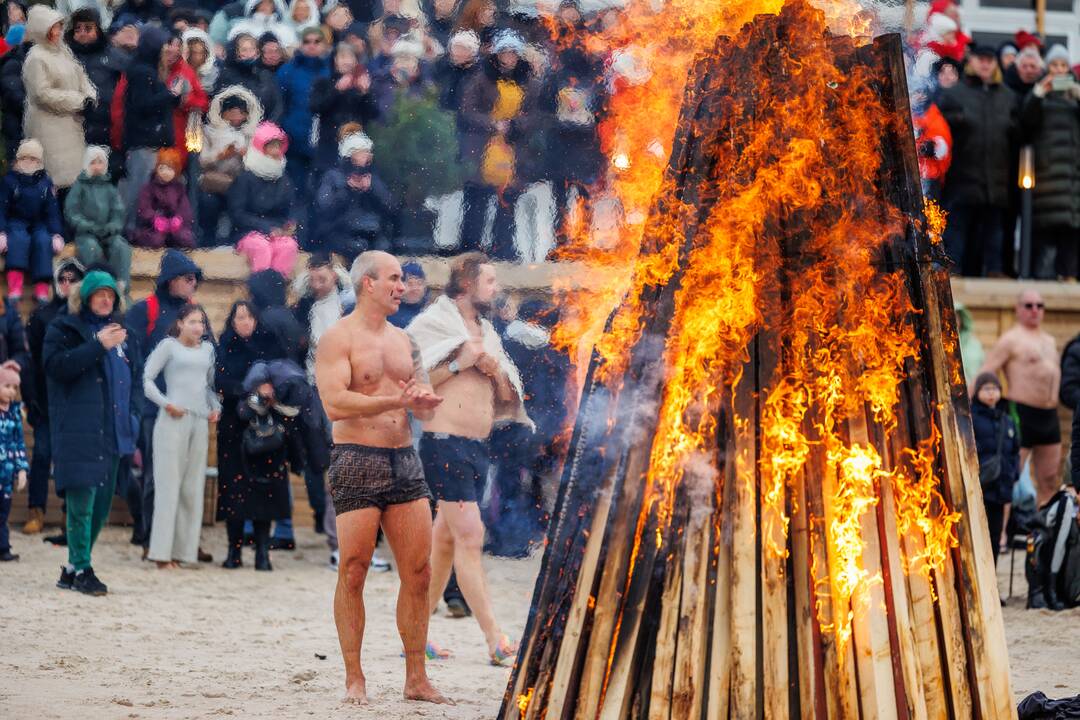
(456, 468)
(362, 477)
(1038, 426)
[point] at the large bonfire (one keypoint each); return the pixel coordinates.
(768, 504)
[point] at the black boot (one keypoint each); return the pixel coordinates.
(1050, 590)
(1036, 598)
(234, 559)
(262, 554)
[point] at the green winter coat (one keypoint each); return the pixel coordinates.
(93, 207)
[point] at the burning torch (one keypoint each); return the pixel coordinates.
(1026, 180)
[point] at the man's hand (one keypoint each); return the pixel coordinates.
(174, 411)
(20, 482)
(417, 396)
(266, 391)
(359, 182)
(469, 354)
(111, 335)
(344, 83)
(215, 416)
(487, 365)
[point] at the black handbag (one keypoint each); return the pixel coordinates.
(990, 471)
(263, 435)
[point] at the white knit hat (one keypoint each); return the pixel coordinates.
(467, 39)
(939, 25)
(1058, 52)
(355, 142)
(30, 148)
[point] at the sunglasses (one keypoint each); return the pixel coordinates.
(313, 41)
(1035, 306)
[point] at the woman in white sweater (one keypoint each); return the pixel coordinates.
(180, 435)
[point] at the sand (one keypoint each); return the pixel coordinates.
(211, 643)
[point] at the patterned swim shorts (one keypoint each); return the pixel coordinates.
(363, 477)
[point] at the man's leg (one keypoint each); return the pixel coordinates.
(356, 541)
(463, 520)
(442, 560)
(80, 509)
(955, 235)
(147, 448)
(5, 509)
(1045, 464)
(408, 530)
(103, 500)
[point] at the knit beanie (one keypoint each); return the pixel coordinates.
(466, 39)
(355, 142)
(96, 280)
(93, 152)
(1057, 52)
(171, 157)
(30, 148)
(986, 378)
(8, 376)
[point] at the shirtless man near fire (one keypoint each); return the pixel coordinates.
(369, 375)
(1029, 357)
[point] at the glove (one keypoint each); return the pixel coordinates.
(175, 223)
(161, 224)
(88, 105)
(3, 242)
(57, 244)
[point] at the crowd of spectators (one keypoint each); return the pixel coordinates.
(976, 109)
(336, 126)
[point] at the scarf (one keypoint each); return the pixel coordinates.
(440, 330)
(263, 166)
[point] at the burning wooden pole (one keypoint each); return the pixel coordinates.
(771, 506)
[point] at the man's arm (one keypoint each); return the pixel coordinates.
(420, 375)
(333, 373)
(996, 359)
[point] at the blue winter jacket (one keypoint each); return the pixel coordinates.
(986, 422)
(295, 79)
(30, 200)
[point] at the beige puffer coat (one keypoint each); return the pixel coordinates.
(57, 87)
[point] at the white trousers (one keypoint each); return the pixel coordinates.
(180, 446)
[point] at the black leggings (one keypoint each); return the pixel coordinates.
(235, 530)
(995, 515)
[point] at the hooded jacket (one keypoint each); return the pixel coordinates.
(173, 265)
(259, 202)
(268, 293)
(1052, 125)
(93, 207)
(350, 221)
(315, 316)
(255, 78)
(29, 200)
(295, 78)
(987, 422)
(104, 66)
(160, 199)
(57, 91)
(13, 97)
(210, 70)
(218, 134)
(82, 416)
(983, 120)
(34, 388)
(335, 108)
(147, 102)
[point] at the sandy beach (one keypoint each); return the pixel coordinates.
(212, 643)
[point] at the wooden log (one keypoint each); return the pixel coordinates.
(744, 544)
(978, 580)
(691, 683)
(663, 680)
(811, 678)
(720, 650)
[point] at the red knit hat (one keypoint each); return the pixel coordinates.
(1024, 39)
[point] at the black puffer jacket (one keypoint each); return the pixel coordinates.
(268, 294)
(336, 108)
(1052, 125)
(987, 423)
(983, 120)
(104, 65)
(12, 98)
(1070, 398)
(148, 103)
(258, 204)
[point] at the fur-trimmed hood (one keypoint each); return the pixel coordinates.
(300, 283)
(74, 303)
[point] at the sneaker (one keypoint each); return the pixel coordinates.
(334, 560)
(379, 564)
(87, 583)
(8, 556)
(67, 578)
(281, 544)
(58, 540)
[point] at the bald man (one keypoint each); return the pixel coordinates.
(1028, 356)
(370, 376)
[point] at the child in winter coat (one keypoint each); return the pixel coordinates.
(30, 223)
(13, 464)
(230, 126)
(998, 446)
(260, 204)
(353, 207)
(95, 212)
(163, 217)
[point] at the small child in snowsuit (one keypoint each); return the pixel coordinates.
(163, 214)
(13, 463)
(30, 224)
(95, 212)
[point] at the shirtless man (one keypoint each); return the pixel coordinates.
(478, 383)
(369, 374)
(1029, 357)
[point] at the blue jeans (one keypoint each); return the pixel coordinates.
(29, 250)
(40, 466)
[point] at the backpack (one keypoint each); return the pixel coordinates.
(1053, 549)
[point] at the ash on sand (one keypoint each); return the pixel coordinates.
(212, 643)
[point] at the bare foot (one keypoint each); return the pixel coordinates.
(162, 565)
(356, 692)
(424, 691)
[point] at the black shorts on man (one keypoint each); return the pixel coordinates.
(456, 467)
(363, 477)
(1038, 426)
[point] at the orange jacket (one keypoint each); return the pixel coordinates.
(931, 126)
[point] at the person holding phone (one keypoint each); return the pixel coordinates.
(1050, 120)
(95, 400)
